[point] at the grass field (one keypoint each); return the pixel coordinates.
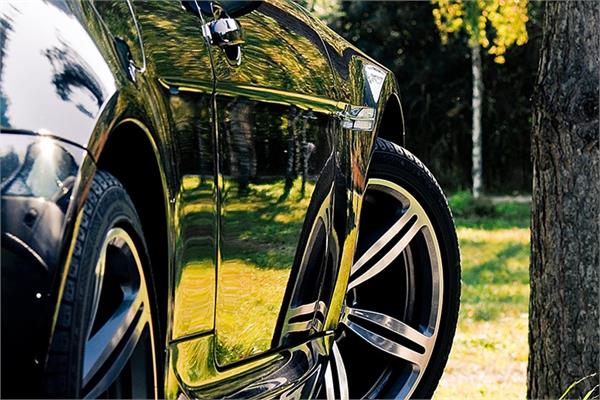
(489, 357)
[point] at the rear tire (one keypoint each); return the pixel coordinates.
(103, 344)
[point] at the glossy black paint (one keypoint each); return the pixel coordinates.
(178, 57)
(275, 155)
(38, 177)
(233, 139)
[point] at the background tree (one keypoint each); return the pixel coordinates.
(436, 92)
(502, 20)
(563, 321)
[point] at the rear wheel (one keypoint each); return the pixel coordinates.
(103, 345)
(402, 302)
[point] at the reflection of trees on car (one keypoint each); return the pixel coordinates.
(5, 26)
(299, 149)
(240, 141)
(72, 73)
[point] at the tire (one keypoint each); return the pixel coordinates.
(403, 297)
(104, 336)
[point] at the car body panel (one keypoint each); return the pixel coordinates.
(147, 64)
(359, 81)
(54, 78)
(180, 64)
(40, 176)
(275, 127)
(294, 371)
(61, 82)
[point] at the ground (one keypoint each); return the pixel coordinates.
(489, 355)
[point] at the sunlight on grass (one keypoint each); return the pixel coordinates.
(488, 360)
(489, 355)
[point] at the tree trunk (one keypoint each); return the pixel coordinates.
(477, 96)
(565, 245)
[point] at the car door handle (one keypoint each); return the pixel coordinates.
(224, 32)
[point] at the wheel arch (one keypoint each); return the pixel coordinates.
(145, 182)
(388, 126)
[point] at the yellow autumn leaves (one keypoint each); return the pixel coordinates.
(504, 21)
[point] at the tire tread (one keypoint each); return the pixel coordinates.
(59, 368)
(391, 153)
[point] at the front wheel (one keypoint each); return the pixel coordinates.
(103, 345)
(402, 301)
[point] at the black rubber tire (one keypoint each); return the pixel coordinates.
(107, 206)
(398, 165)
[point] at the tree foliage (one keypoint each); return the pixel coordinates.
(502, 21)
(435, 85)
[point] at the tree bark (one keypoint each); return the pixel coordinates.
(477, 168)
(565, 245)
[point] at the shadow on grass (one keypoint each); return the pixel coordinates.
(492, 223)
(485, 214)
(495, 271)
(500, 269)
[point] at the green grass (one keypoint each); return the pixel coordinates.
(483, 213)
(489, 356)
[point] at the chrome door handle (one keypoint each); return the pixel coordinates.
(224, 32)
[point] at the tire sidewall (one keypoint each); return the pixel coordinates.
(107, 206)
(396, 164)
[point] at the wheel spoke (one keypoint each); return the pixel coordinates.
(99, 272)
(329, 384)
(387, 258)
(124, 324)
(341, 372)
(403, 252)
(389, 345)
(105, 378)
(119, 314)
(383, 240)
(336, 386)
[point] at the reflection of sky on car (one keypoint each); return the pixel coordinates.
(29, 81)
(37, 169)
(41, 179)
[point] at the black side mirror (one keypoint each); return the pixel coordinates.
(232, 8)
(237, 8)
(197, 7)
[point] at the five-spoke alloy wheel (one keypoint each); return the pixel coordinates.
(402, 300)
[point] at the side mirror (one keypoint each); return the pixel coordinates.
(232, 8)
(237, 8)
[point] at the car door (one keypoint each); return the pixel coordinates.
(180, 78)
(275, 141)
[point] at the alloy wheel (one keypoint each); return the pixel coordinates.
(391, 317)
(119, 359)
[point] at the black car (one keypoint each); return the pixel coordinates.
(211, 199)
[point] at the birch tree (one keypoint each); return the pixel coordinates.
(494, 25)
